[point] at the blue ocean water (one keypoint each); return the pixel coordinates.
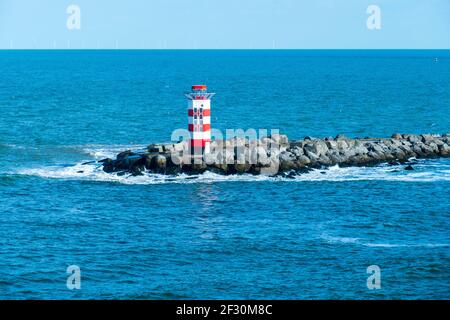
(150, 237)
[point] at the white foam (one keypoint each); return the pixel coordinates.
(102, 151)
(384, 173)
(425, 171)
(359, 241)
(94, 172)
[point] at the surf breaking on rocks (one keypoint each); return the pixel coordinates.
(269, 155)
(275, 155)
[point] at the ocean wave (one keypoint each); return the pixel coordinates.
(359, 241)
(94, 172)
(102, 151)
(96, 151)
(422, 173)
(425, 171)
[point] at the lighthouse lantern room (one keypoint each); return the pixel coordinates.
(199, 115)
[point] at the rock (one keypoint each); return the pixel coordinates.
(331, 144)
(320, 148)
(375, 156)
(281, 139)
(287, 156)
(348, 153)
(413, 138)
(409, 167)
(375, 148)
(297, 151)
(342, 144)
(317, 147)
(242, 168)
(272, 168)
(179, 147)
(360, 148)
(335, 157)
(428, 151)
(168, 148)
(444, 150)
(160, 163)
(433, 146)
(155, 148)
(324, 160)
(259, 156)
(135, 160)
(303, 160)
(286, 164)
(108, 165)
(198, 167)
(125, 154)
(359, 160)
(426, 137)
(137, 170)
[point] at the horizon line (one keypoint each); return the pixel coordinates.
(220, 49)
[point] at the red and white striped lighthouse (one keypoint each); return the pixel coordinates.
(199, 114)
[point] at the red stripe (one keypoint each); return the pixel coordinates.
(206, 112)
(199, 87)
(197, 143)
(205, 127)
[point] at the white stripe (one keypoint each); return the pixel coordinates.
(200, 135)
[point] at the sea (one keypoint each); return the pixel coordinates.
(334, 233)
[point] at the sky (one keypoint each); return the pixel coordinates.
(224, 24)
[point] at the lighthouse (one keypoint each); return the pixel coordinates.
(199, 120)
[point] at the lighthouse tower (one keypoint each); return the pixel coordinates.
(199, 125)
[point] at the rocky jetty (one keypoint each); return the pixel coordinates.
(276, 155)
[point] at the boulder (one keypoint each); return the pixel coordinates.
(317, 147)
(297, 152)
(155, 148)
(257, 156)
(340, 137)
(335, 157)
(108, 165)
(331, 144)
(280, 139)
(160, 163)
(444, 150)
(303, 161)
(242, 168)
(426, 137)
(341, 144)
(413, 138)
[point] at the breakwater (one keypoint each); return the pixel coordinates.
(277, 155)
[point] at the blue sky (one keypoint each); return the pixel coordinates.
(225, 24)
